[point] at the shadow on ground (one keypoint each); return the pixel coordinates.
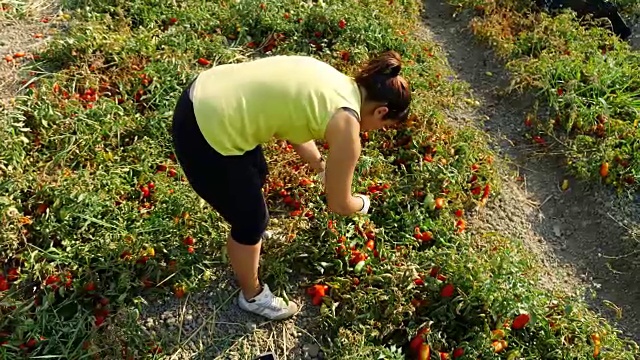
(581, 230)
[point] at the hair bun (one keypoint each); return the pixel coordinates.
(395, 70)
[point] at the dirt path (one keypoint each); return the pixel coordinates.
(24, 34)
(580, 232)
(635, 38)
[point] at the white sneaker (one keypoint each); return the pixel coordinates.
(268, 305)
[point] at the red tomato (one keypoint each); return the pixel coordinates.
(99, 320)
(4, 284)
(447, 291)
(520, 321)
(188, 241)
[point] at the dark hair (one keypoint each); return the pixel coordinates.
(381, 80)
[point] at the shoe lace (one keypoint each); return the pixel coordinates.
(275, 303)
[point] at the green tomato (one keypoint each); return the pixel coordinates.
(430, 202)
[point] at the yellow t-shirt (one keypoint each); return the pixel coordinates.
(240, 106)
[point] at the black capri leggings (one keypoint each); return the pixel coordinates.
(232, 185)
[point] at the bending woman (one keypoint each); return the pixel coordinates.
(224, 116)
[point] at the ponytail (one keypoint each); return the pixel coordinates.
(381, 80)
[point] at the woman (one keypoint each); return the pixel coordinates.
(228, 111)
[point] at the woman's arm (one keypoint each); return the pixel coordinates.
(310, 154)
(342, 134)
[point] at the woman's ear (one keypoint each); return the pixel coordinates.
(380, 112)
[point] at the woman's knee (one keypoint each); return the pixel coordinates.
(248, 235)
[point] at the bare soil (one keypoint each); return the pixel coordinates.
(25, 33)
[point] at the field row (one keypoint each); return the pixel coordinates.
(585, 74)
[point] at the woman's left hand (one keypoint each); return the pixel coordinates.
(311, 155)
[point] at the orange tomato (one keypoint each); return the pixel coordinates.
(424, 353)
(499, 345)
(604, 169)
(370, 245)
(426, 236)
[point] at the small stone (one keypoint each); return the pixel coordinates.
(311, 349)
(556, 230)
(251, 326)
(170, 321)
(188, 318)
(211, 304)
